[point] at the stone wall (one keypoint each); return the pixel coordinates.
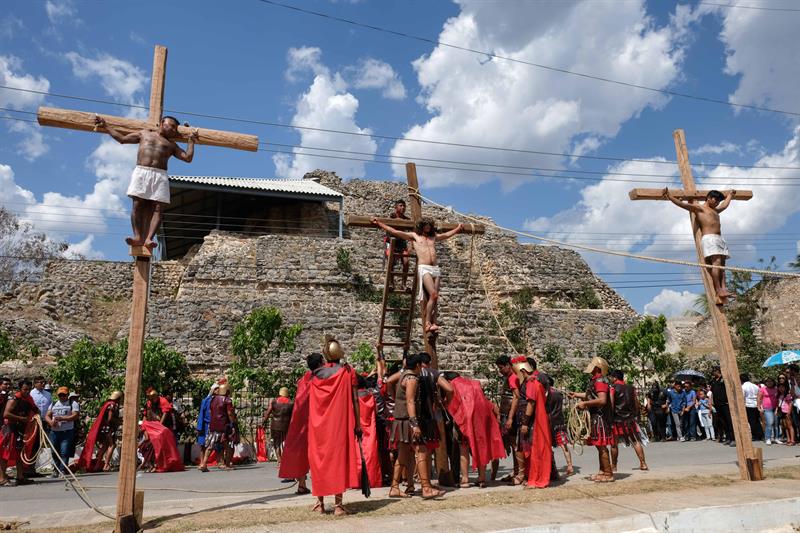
(196, 302)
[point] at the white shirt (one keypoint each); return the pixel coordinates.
(64, 409)
(750, 391)
(42, 399)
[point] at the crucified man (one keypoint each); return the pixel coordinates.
(149, 187)
(715, 250)
(424, 238)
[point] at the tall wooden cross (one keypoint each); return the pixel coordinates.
(130, 501)
(750, 463)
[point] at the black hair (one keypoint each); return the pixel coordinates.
(362, 381)
(38, 378)
(425, 222)
(716, 195)
(371, 381)
(173, 119)
(3, 379)
(24, 382)
(398, 202)
(450, 375)
(502, 360)
(715, 368)
(424, 358)
(532, 362)
(394, 368)
(546, 380)
(619, 374)
(412, 360)
(314, 361)
(679, 382)
(744, 377)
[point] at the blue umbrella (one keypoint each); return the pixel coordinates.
(688, 373)
(783, 358)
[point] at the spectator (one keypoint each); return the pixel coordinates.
(784, 412)
(794, 389)
(703, 406)
(41, 397)
(62, 416)
(767, 403)
(677, 402)
(719, 400)
(656, 398)
(750, 391)
(689, 415)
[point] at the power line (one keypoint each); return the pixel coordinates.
(484, 53)
(755, 8)
(391, 137)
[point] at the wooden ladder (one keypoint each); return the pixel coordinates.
(405, 310)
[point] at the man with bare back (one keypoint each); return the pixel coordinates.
(424, 239)
(715, 250)
(149, 187)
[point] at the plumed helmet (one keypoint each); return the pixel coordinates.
(331, 349)
(521, 363)
(284, 392)
(115, 396)
(224, 389)
(597, 362)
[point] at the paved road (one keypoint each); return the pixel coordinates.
(50, 497)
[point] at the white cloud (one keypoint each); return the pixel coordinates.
(717, 149)
(32, 146)
(120, 79)
(373, 73)
(483, 101)
(59, 11)
(83, 250)
(326, 104)
(9, 26)
(670, 303)
(11, 75)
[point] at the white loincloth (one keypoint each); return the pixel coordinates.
(432, 270)
(149, 183)
(714, 245)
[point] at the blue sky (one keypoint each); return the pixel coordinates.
(249, 59)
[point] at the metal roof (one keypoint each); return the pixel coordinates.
(301, 189)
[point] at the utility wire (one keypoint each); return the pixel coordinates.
(484, 53)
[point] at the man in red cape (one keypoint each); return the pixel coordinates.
(534, 426)
(294, 462)
(17, 416)
(333, 425)
(102, 432)
(369, 434)
(166, 452)
(475, 418)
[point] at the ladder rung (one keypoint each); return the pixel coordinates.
(393, 344)
(398, 309)
(401, 291)
(394, 326)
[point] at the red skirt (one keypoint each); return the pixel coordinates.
(602, 433)
(8, 447)
(626, 431)
(560, 437)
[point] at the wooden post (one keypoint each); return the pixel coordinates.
(126, 486)
(157, 85)
(749, 459)
(413, 192)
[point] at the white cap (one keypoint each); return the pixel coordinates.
(214, 387)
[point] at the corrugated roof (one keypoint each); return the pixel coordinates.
(292, 187)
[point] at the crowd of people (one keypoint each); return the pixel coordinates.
(698, 410)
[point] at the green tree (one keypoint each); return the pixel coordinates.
(565, 374)
(8, 348)
(258, 342)
(795, 265)
(639, 352)
(363, 358)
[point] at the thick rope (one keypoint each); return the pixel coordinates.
(577, 424)
(764, 272)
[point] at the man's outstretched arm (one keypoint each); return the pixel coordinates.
(683, 205)
(447, 234)
(406, 236)
(726, 202)
(188, 154)
(131, 138)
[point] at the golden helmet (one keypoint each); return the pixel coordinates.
(284, 392)
(331, 349)
(224, 390)
(521, 363)
(116, 396)
(597, 362)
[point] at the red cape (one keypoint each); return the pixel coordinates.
(474, 415)
(294, 461)
(85, 461)
(167, 457)
(7, 451)
(261, 445)
(369, 440)
(333, 455)
(541, 452)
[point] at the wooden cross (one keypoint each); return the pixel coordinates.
(129, 500)
(750, 463)
(415, 203)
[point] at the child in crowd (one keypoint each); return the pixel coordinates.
(703, 407)
(784, 412)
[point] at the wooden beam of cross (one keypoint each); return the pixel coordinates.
(750, 457)
(83, 121)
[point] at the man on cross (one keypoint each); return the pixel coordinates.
(149, 187)
(715, 250)
(425, 238)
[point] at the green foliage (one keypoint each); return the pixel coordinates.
(587, 298)
(95, 370)
(795, 265)
(364, 290)
(343, 260)
(8, 348)
(639, 352)
(566, 375)
(363, 358)
(700, 306)
(259, 341)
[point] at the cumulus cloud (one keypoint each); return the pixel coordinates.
(32, 146)
(11, 75)
(326, 104)
(670, 303)
(717, 149)
(60, 11)
(83, 250)
(484, 101)
(119, 79)
(373, 73)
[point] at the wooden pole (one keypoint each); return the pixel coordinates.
(658, 194)
(157, 85)
(126, 486)
(749, 459)
(413, 192)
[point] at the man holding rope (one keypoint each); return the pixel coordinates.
(19, 410)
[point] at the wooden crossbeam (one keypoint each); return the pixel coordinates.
(658, 194)
(359, 221)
